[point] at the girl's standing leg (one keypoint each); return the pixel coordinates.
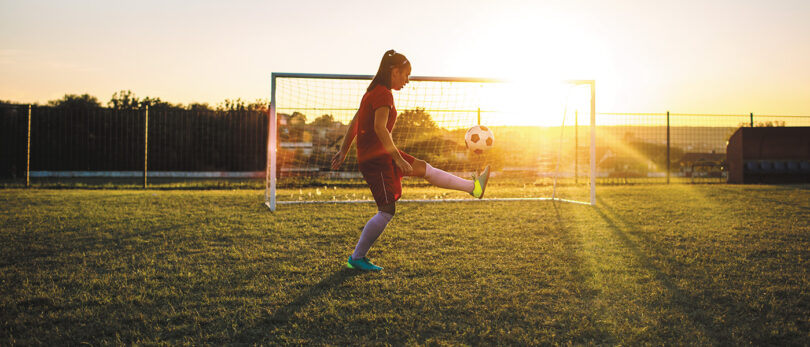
(374, 227)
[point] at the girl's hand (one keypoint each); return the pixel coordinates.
(403, 165)
(338, 159)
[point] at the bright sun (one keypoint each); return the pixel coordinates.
(535, 66)
(536, 103)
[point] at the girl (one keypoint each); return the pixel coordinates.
(381, 163)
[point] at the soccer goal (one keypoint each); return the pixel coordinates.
(544, 149)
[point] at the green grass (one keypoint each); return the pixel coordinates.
(259, 183)
(651, 264)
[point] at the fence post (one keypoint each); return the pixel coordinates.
(145, 145)
(576, 147)
(28, 151)
(752, 119)
(668, 147)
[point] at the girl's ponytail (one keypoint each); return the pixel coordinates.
(389, 61)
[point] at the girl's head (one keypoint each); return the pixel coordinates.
(393, 72)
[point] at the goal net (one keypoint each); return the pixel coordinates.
(544, 134)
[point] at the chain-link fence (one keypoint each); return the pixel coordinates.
(113, 147)
(672, 147)
(49, 146)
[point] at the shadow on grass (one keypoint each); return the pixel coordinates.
(598, 331)
(777, 189)
(578, 263)
(334, 280)
(282, 316)
(23, 251)
(692, 306)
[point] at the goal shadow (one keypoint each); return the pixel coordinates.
(690, 305)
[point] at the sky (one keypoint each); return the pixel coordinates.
(710, 56)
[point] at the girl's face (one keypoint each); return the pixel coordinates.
(399, 77)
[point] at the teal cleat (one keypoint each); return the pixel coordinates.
(362, 264)
(480, 183)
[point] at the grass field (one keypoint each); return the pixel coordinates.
(650, 264)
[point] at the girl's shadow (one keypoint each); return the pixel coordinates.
(283, 314)
(281, 317)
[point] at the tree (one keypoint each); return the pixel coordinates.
(157, 104)
(124, 100)
(260, 105)
(296, 127)
(298, 118)
(12, 103)
(770, 124)
(324, 121)
(766, 124)
(412, 125)
(76, 102)
(199, 107)
(232, 105)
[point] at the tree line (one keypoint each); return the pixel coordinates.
(127, 100)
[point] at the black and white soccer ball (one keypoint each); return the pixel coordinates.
(479, 139)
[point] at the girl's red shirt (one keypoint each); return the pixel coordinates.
(369, 146)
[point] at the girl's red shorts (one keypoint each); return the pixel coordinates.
(384, 178)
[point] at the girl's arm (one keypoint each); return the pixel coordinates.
(351, 133)
(380, 120)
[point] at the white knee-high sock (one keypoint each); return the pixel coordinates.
(371, 232)
(446, 180)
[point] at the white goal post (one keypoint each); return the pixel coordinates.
(539, 152)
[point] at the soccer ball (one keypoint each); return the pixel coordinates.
(479, 139)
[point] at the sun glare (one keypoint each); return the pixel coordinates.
(536, 103)
(535, 64)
